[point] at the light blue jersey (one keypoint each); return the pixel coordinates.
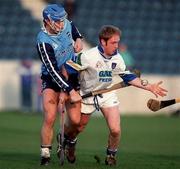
(54, 51)
(61, 43)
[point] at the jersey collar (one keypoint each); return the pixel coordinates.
(101, 51)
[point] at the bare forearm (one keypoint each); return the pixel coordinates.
(155, 88)
(137, 82)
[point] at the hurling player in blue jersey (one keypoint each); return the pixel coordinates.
(57, 42)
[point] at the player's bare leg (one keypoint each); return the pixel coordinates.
(50, 102)
(72, 134)
(73, 116)
(112, 117)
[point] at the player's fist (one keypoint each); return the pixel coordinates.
(74, 96)
(78, 45)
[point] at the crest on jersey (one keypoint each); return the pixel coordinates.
(55, 45)
(99, 64)
(113, 66)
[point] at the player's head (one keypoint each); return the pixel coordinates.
(109, 37)
(54, 16)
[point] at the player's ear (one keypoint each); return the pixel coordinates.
(46, 21)
(103, 42)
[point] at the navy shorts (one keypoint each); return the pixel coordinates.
(49, 83)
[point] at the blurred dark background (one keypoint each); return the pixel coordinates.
(150, 29)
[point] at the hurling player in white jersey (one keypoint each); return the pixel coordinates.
(102, 63)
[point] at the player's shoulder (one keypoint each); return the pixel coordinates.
(91, 52)
(42, 37)
(118, 60)
(117, 56)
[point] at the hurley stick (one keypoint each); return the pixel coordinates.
(156, 105)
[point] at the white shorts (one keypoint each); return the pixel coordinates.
(109, 99)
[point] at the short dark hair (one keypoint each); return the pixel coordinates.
(107, 31)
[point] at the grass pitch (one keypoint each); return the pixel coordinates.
(147, 143)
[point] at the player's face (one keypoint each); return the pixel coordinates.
(59, 25)
(111, 45)
(55, 27)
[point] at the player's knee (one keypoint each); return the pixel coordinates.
(115, 132)
(75, 122)
(83, 122)
(49, 120)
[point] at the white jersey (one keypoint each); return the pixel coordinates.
(99, 70)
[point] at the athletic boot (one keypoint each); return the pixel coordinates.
(45, 161)
(70, 150)
(45, 155)
(110, 160)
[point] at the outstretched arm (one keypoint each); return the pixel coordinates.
(155, 88)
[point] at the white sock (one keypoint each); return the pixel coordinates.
(45, 152)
